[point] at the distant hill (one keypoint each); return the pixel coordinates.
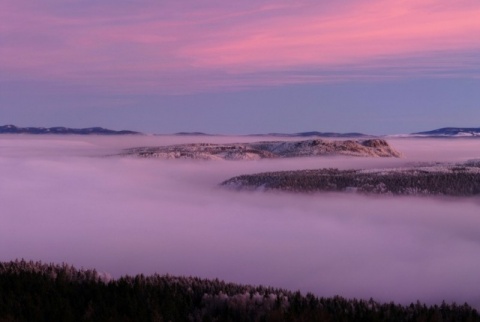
(451, 132)
(12, 129)
(291, 135)
(316, 133)
(193, 134)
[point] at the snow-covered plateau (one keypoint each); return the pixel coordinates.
(268, 150)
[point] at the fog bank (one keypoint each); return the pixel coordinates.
(63, 202)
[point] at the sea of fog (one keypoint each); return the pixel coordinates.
(70, 199)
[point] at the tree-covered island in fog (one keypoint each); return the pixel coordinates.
(439, 179)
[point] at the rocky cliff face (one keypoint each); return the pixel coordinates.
(268, 149)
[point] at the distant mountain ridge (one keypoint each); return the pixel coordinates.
(442, 132)
(12, 129)
(316, 133)
(193, 134)
(291, 135)
(451, 132)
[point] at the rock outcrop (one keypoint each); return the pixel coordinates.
(267, 149)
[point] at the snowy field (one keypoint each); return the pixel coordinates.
(63, 199)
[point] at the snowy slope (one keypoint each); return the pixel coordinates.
(267, 149)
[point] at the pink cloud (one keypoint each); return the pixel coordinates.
(357, 34)
(178, 46)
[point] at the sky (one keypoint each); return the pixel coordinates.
(377, 67)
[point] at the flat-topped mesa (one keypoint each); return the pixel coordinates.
(371, 147)
(268, 150)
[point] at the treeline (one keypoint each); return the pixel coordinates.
(451, 181)
(33, 291)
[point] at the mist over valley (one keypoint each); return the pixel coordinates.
(73, 199)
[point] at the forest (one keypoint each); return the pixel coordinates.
(450, 180)
(35, 291)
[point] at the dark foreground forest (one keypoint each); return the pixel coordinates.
(33, 291)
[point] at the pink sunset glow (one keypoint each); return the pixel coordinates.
(362, 32)
(190, 47)
(214, 71)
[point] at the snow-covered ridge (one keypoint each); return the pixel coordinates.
(450, 132)
(461, 179)
(267, 149)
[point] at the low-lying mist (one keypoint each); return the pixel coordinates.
(62, 201)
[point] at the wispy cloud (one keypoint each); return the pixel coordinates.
(171, 46)
(307, 36)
